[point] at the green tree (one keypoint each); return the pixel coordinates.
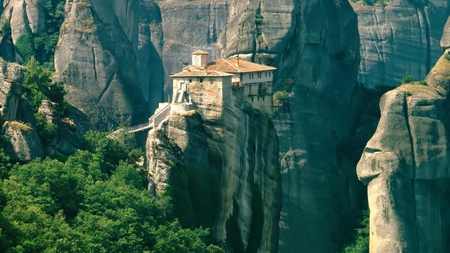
(45, 42)
(361, 241)
(36, 83)
(24, 45)
(172, 238)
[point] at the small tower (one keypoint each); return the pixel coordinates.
(199, 58)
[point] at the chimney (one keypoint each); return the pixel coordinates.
(238, 60)
(199, 58)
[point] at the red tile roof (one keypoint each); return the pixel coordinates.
(235, 65)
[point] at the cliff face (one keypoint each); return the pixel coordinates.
(399, 40)
(188, 26)
(315, 46)
(151, 72)
(96, 58)
(319, 69)
(239, 146)
(406, 167)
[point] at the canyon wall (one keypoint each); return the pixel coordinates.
(398, 40)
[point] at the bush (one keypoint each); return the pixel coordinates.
(407, 79)
(281, 98)
(5, 27)
(25, 46)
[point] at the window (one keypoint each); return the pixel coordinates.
(269, 74)
(190, 80)
(265, 73)
(250, 76)
(201, 80)
(252, 99)
(259, 74)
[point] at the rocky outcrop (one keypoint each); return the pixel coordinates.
(236, 144)
(11, 90)
(406, 167)
(96, 58)
(63, 136)
(25, 142)
(398, 40)
(258, 30)
(25, 16)
(315, 47)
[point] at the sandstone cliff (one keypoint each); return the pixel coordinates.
(96, 58)
(406, 167)
(399, 40)
(236, 144)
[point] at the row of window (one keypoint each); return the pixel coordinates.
(259, 97)
(259, 74)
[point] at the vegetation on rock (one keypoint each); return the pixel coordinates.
(42, 46)
(371, 2)
(38, 85)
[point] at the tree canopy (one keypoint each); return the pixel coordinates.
(96, 201)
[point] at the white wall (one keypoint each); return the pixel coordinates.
(246, 78)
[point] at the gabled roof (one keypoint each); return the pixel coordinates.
(191, 71)
(236, 65)
(199, 52)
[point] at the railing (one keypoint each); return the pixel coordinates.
(138, 128)
(154, 120)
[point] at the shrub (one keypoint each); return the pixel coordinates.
(45, 130)
(25, 46)
(407, 79)
(281, 98)
(258, 19)
(5, 27)
(16, 125)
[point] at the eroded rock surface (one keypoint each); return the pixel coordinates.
(188, 26)
(149, 54)
(238, 145)
(96, 58)
(398, 40)
(25, 142)
(406, 167)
